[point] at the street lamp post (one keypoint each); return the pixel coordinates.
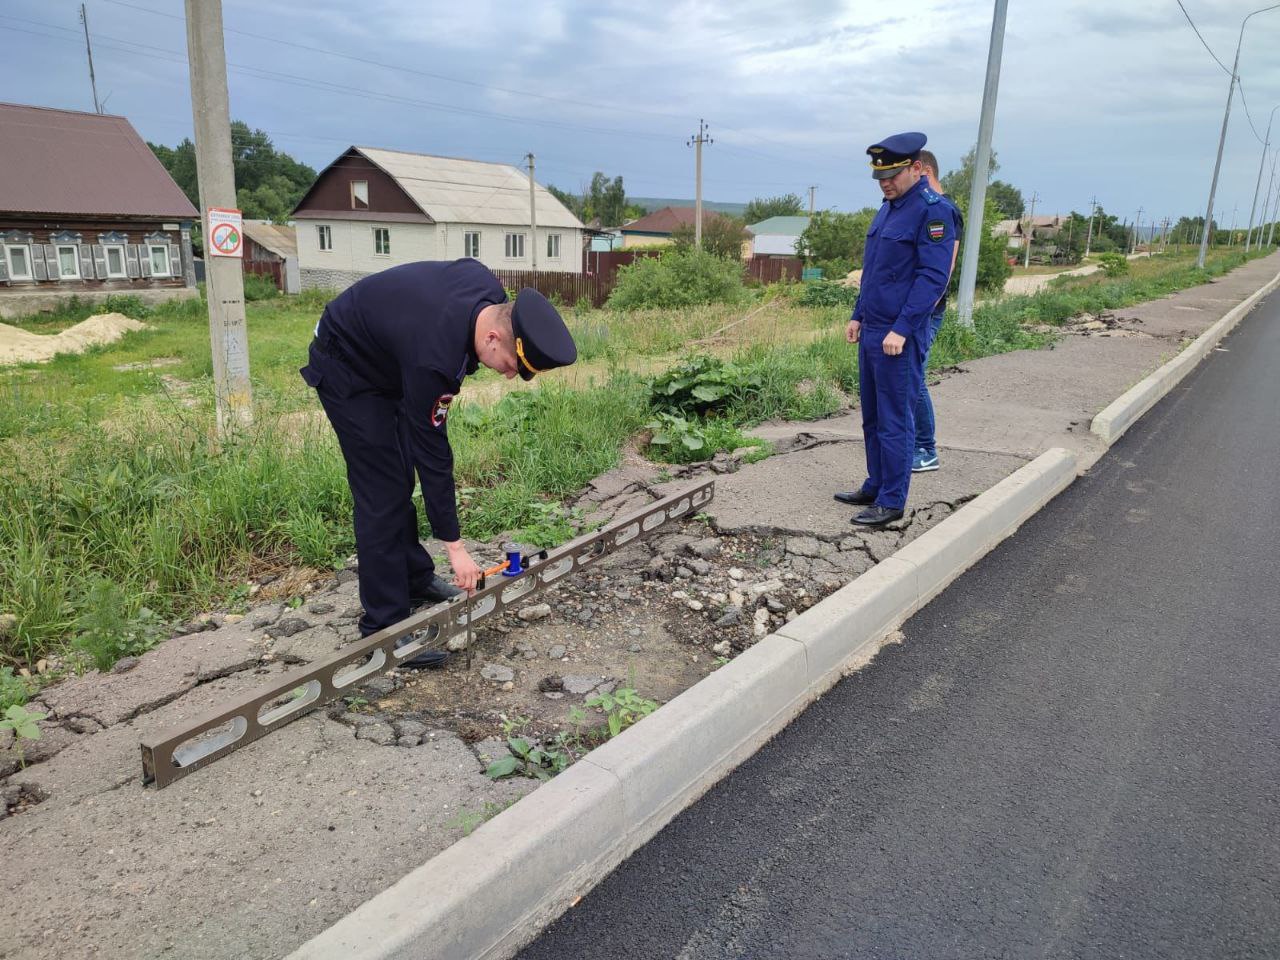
(1222, 138)
(1266, 143)
(1266, 201)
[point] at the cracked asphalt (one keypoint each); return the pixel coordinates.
(1071, 754)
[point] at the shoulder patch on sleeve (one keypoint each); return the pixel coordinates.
(937, 230)
(440, 409)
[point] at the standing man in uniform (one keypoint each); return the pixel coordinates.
(926, 455)
(388, 358)
(904, 273)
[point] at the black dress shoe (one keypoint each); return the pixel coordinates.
(856, 498)
(423, 659)
(437, 591)
(876, 516)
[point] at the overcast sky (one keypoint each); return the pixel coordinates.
(1113, 98)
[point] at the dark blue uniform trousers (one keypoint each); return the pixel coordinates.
(888, 388)
(373, 432)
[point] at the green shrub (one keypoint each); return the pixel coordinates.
(700, 384)
(108, 630)
(130, 304)
(827, 293)
(257, 287)
(678, 278)
(1114, 264)
(14, 691)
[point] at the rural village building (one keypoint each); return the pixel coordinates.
(777, 236)
(371, 209)
(86, 209)
(271, 250)
(657, 227)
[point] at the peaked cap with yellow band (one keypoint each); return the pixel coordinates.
(892, 154)
(543, 342)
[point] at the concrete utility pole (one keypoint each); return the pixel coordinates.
(812, 192)
(973, 232)
(1030, 232)
(533, 214)
(1231, 234)
(697, 143)
(84, 18)
(1222, 137)
(1137, 220)
(1266, 202)
(1257, 187)
(1275, 212)
(1088, 238)
(216, 177)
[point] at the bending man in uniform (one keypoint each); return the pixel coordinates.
(904, 274)
(389, 356)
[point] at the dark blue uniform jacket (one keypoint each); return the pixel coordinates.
(409, 332)
(907, 261)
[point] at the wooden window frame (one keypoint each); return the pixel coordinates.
(354, 184)
(124, 261)
(168, 267)
(75, 260)
(30, 275)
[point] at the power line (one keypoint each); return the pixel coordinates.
(1248, 116)
(1225, 68)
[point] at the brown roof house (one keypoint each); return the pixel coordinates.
(657, 227)
(271, 250)
(371, 209)
(86, 209)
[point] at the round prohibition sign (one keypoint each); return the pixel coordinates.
(226, 238)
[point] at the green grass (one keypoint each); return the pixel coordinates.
(118, 506)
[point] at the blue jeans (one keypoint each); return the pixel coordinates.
(925, 424)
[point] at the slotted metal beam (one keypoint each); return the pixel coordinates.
(211, 736)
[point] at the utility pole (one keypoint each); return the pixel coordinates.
(812, 191)
(84, 18)
(982, 164)
(1030, 232)
(1137, 220)
(225, 279)
(1275, 212)
(1222, 137)
(1231, 236)
(1093, 209)
(533, 214)
(1266, 144)
(1266, 201)
(697, 143)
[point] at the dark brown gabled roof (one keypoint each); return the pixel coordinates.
(83, 164)
(667, 219)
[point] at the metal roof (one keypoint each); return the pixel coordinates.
(281, 239)
(470, 191)
(81, 164)
(785, 226)
(666, 220)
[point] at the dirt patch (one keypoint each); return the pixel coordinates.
(22, 346)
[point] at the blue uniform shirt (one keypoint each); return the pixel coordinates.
(907, 262)
(409, 332)
(958, 218)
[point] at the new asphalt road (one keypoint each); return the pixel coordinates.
(1075, 752)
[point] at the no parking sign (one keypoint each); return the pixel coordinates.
(224, 233)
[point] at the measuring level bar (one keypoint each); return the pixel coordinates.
(209, 737)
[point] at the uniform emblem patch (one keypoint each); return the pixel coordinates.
(937, 230)
(440, 409)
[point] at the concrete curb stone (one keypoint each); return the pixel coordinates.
(1125, 411)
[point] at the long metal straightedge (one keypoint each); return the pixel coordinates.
(210, 737)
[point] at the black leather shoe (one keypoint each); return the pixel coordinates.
(876, 516)
(856, 498)
(423, 659)
(437, 591)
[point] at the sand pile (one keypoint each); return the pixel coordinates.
(19, 346)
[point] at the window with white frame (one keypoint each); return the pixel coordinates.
(471, 244)
(325, 235)
(68, 261)
(515, 246)
(113, 253)
(158, 253)
(553, 246)
(18, 256)
(382, 241)
(359, 194)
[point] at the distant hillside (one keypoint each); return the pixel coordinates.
(657, 203)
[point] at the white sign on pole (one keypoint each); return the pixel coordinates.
(224, 232)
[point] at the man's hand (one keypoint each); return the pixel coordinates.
(852, 330)
(466, 573)
(893, 343)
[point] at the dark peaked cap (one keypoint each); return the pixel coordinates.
(543, 342)
(893, 153)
